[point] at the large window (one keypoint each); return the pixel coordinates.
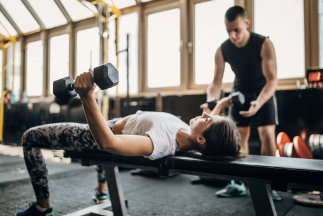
(128, 26)
(34, 68)
(17, 77)
(209, 33)
(59, 58)
(1, 58)
(163, 49)
(283, 22)
(87, 54)
(13, 81)
(112, 58)
(321, 32)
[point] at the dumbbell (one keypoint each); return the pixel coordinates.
(105, 76)
(237, 98)
(281, 141)
(295, 148)
(316, 145)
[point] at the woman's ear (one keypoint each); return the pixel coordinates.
(201, 140)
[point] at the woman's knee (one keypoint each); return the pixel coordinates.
(29, 135)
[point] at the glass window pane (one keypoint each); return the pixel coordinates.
(87, 54)
(1, 58)
(13, 80)
(207, 39)
(76, 10)
(34, 68)
(3, 30)
(128, 25)
(6, 27)
(17, 77)
(321, 31)
(21, 15)
(59, 58)
(9, 68)
(112, 58)
(48, 12)
(164, 49)
(286, 33)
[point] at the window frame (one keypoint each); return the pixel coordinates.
(152, 8)
(186, 7)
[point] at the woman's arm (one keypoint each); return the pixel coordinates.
(221, 104)
(131, 145)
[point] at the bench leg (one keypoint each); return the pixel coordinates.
(261, 199)
(115, 190)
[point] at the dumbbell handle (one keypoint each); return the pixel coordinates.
(71, 87)
(226, 102)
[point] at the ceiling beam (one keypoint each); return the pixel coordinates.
(34, 14)
(63, 10)
(10, 20)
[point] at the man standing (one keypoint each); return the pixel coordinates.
(252, 59)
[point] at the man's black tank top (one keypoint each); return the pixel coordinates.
(246, 63)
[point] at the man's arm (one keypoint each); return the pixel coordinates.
(269, 68)
(214, 89)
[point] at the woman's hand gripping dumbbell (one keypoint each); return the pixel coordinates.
(105, 76)
(215, 106)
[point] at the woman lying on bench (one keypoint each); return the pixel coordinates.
(149, 134)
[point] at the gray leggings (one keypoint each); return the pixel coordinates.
(64, 136)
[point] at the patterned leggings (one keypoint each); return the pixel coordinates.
(64, 136)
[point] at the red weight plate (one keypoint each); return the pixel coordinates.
(282, 139)
(301, 148)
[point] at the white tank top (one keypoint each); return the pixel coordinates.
(160, 127)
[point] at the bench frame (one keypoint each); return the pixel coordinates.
(261, 173)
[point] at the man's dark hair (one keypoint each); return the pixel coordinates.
(222, 139)
(235, 11)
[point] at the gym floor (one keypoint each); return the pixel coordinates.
(72, 186)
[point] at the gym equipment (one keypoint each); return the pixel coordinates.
(316, 145)
(314, 78)
(105, 76)
(301, 148)
(295, 148)
(237, 98)
(288, 150)
(262, 173)
(282, 139)
(309, 199)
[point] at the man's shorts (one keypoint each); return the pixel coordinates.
(267, 115)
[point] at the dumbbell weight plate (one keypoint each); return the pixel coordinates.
(310, 142)
(282, 139)
(288, 150)
(237, 98)
(316, 148)
(62, 90)
(321, 144)
(301, 148)
(106, 76)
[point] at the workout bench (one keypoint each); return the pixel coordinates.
(262, 173)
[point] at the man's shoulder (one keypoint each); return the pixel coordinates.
(258, 36)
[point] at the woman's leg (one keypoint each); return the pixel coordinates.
(66, 136)
(101, 179)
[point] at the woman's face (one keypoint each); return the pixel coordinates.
(200, 123)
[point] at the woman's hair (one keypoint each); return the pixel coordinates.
(222, 138)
